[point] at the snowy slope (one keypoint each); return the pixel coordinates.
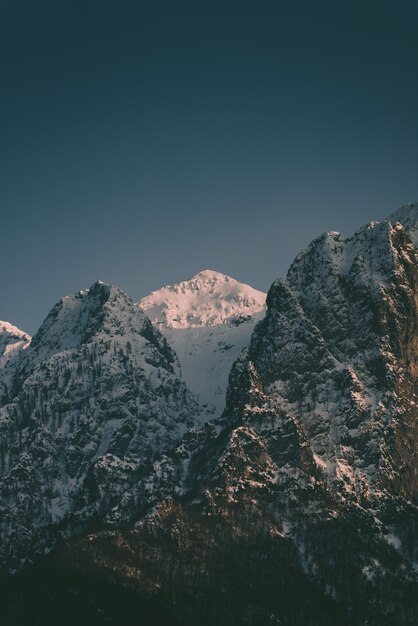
(12, 339)
(93, 398)
(207, 320)
(12, 342)
(208, 299)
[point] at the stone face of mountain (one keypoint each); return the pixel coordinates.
(93, 398)
(207, 320)
(337, 353)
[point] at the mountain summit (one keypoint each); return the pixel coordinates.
(91, 399)
(207, 299)
(12, 342)
(207, 320)
(12, 339)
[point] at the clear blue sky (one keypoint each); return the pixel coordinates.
(143, 141)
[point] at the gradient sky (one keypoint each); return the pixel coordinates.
(143, 141)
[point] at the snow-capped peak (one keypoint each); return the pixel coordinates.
(207, 299)
(101, 310)
(13, 331)
(208, 320)
(12, 340)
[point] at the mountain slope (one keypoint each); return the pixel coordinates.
(207, 320)
(12, 341)
(297, 505)
(94, 397)
(337, 354)
(208, 299)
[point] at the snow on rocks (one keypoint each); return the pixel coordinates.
(93, 398)
(208, 320)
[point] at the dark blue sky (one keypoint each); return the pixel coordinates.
(143, 141)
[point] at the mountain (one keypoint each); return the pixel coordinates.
(12, 341)
(207, 320)
(337, 354)
(408, 217)
(297, 506)
(11, 336)
(208, 299)
(300, 506)
(93, 398)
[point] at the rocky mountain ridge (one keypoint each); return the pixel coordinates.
(91, 400)
(297, 506)
(336, 353)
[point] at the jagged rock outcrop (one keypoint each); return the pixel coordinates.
(337, 354)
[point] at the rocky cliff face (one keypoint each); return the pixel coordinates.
(337, 353)
(297, 506)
